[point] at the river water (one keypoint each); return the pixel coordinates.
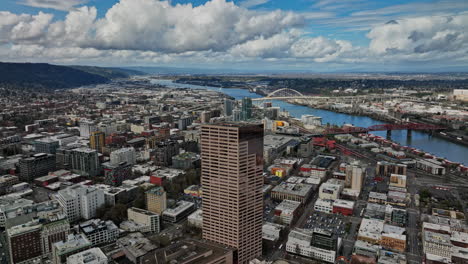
(437, 146)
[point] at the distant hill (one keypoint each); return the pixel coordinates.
(48, 76)
(110, 73)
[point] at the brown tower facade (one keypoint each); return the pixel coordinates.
(232, 181)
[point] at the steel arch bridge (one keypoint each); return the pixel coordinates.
(285, 92)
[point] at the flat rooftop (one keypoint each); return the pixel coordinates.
(190, 251)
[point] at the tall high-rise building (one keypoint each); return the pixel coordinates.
(85, 161)
(232, 166)
(228, 107)
(97, 140)
(354, 177)
(156, 200)
(246, 112)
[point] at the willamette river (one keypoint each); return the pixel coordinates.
(437, 146)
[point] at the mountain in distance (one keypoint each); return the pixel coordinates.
(109, 72)
(49, 76)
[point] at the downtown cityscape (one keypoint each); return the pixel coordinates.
(233, 132)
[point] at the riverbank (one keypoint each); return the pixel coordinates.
(438, 146)
(391, 120)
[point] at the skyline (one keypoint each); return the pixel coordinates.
(303, 35)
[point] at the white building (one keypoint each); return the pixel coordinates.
(371, 230)
(127, 155)
(354, 177)
(286, 210)
(86, 128)
(325, 206)
(90, 256)
(299, 242)
(330, 191)
(271, 231)
(146, 218)
(81, 201)
(195, 219)
(99, 232)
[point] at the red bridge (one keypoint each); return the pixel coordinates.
(382, 127)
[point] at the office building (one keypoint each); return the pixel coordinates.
(314, 243)
(186, 160)
(385, 168)
(324, 206)
(86, 128)
(228, 107)
(99, 232)
(287, 211)
(146, 218)
(136, 246)
(97, 140)
(127, 155)
(156, 200)
(343, 207)
(35, 166)
(246, 110)
(85, 161)
(81, 202)
(114, 175)
(192, 251)
(6, 181)
(232, 181)
(164, 151)
(90, 256)
(178, 212)
(371, 230)
(292, 191)
(184, 122)
(397, 180)
(354, 177)
(71, 245)
(195, 219)
(53, 232)
(46, 145)
(330, 191)
(24, 242)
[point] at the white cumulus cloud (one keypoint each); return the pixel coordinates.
(63, 5)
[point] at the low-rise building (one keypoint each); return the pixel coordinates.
(195, 219)
(178, 212)
(430, 166)
(325, 206)
(99, 232)
(136, 247)
(90, 256)
(371, 230)
(375, 197)
(343, 207)
(295, 192)
(330, 191)
(315, 244)
(149, 220)
(73, 244)
(271, 231)
(287, 211)
(393, 238)
(191, 252)
(398, 180)
(194, 190)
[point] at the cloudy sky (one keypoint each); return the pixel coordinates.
(312, 35)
